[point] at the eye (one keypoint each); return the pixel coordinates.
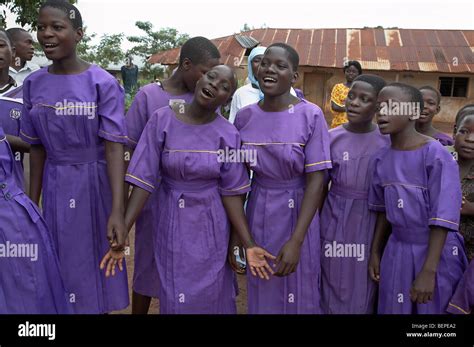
(263, 63)
(211, 75)
(57, 27)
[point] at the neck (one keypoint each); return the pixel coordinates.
(67, 65)
(16, 66)
(4, 77)
(200, 114)
(277, 103)
(425, 128)
(405, 139)
(175, 84)
(465, 163)
(365, 127)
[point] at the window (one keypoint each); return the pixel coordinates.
(453, 86)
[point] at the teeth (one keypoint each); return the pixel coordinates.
(269, 79)
(208, 92)
(50, 45)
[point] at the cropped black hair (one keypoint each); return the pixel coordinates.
(375, 81)
(198, 49)
(292, 53)
(6, 36)
(434, 90)
(462, 113)
(71, 11)
(13, 33)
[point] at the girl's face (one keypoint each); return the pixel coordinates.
(215, 87)
(464, 139)
(351, 73)
(430, 108)
(391, 123)
(5, 52)
(56, 34)
(276, 74)
(193, 72)
(361, 103)
(256, 63)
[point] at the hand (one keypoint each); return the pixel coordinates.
(467, 207)
(288, 258)
(111, 259)
(423, 287)
(374, 267)
(116, 231)
(257, 262)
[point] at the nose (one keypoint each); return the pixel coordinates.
(470, 137)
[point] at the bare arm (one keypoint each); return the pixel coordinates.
(37, 160)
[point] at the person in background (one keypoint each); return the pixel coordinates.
(129, 76)
(339, 93)
(21, 65)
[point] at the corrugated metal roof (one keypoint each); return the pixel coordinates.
(450, 51)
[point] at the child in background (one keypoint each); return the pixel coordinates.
(290, 138)
(198, 55)
(424, 125)
(346, 220)
(463, 299)
(415, 188)
(21, 65)
(73, 117)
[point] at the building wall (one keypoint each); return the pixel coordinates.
(449, 105)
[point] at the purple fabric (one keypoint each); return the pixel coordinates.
(346, 220)
(149, 99)
(180, 161)
(417, 189)
(77, 199)
(444, 139)
(288, 145)
(30, 283)
(462, 301)
(10, 116)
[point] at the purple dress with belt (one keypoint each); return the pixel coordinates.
(347, 224)
(417, 189)
(288, 145)
(30, 279)
(181, 162)
(150, 98)
(72, 116)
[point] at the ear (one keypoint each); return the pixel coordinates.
(187, 64)
(79, 34)
(295, 77)
(438, 108)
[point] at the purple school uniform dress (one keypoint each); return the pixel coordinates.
(288, 145)
(347, 224)
(71, 116)
(150, 98)
(30, 280)
(444, 139)
(462, 301)
(181, 161)
(417, 189)
(10, 115)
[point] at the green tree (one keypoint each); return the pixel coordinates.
(25, 10)
(152, 42)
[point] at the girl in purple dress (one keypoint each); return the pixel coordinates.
(198, 55)
(30, 280)
(347, 224)
(431, 107)
(463, 300)
(415, 189)
(291, 141)
(73, 116)
(182, 154)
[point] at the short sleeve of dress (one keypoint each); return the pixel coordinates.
(234, 178)
(111, 111)
(144, 168)
(317, 149)
(444, 188)
(376, 196)
(136, 118)
(27, 129)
